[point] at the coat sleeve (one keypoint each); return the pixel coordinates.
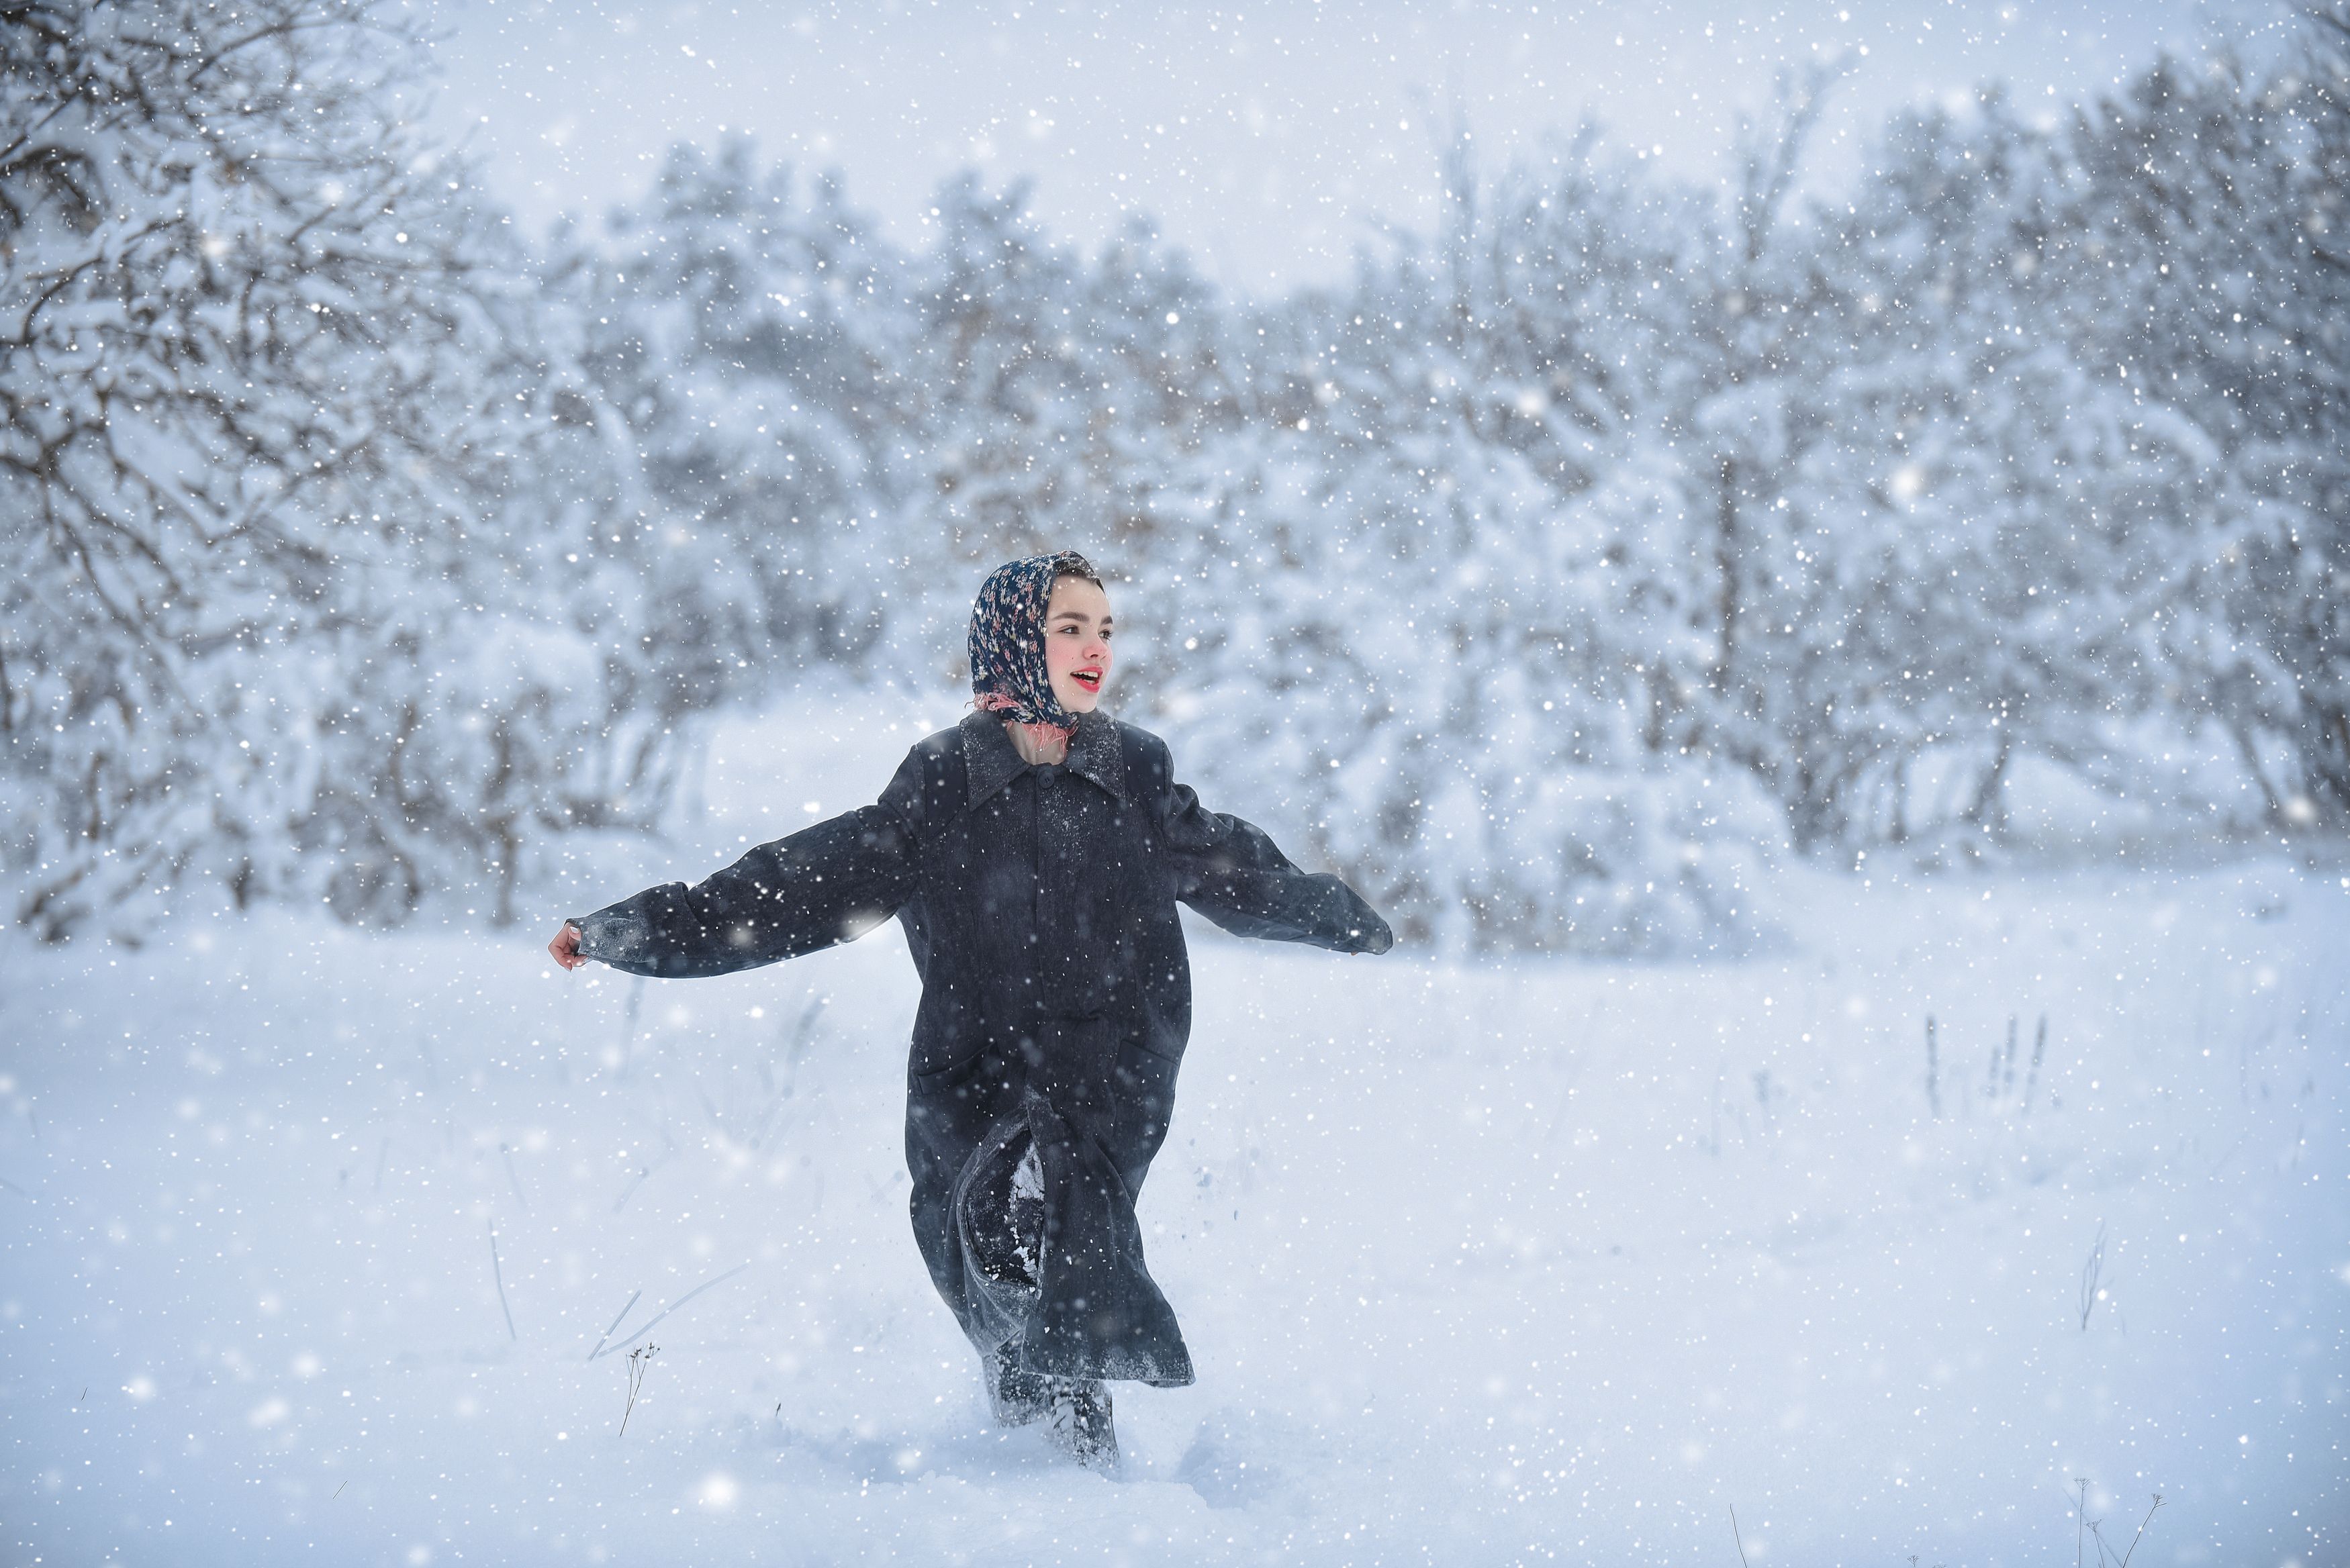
(824, 885)
(1233, 872)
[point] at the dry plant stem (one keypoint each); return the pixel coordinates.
(2141, 1530)
(1933, 1085)
(631, 1190)
(616, 1323)
(2080, 1507)
(2031, 1079)
(499, 1275)
(2090, 1273)
(640, 1360)
(1735, 1537)
(664, 1311)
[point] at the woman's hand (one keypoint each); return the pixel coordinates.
(566, 946)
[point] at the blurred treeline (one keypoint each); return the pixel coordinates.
(1550, 578)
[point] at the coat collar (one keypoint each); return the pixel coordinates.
(992, 763)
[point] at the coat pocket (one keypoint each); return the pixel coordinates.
(932, 1073)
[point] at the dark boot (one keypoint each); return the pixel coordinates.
(1077, 1422)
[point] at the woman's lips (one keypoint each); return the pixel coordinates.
(1089, 678)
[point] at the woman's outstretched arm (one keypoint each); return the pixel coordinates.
(822, 885)
(1233, 872)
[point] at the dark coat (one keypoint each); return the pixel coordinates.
(1039, 903)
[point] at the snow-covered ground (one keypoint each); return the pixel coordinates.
(1525, 1262)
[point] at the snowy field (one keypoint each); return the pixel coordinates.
(1522, 1263)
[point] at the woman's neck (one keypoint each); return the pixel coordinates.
(1038, 742)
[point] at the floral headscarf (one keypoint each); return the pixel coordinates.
(1007, 639)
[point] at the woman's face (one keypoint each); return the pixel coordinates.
(1076, 643)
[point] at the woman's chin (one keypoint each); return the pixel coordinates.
(1077, 699)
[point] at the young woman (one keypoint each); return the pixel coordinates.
(1035, 855)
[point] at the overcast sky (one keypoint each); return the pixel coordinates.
(1269, 139)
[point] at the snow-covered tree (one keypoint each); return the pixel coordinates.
(751, 333)
(1944, 574)
(2209, 280)
(1557, 565)
(262, 372)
